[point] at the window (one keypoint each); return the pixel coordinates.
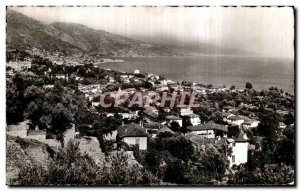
(233, 158)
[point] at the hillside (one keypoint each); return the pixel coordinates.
(26, 33)
(20, 151)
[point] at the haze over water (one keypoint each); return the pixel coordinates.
(216, 70)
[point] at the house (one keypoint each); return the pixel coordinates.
(165, 129)
(249, 124)
(171, 118)
(195, 119)
(136, 72)
(256, 143)
(226, 115)
(133, 134)
(239, 146)
(111, 79)
(229, 109)
(282, 125)
(60, 76)
(209, 130)
(185, 111)
(152, 128)
(281, 112)
(150, 115)
(127, 115)
(236, 120)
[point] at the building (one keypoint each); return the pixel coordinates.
(165, 129)
(239, 146)
(249, 124)
(282, 125)
(150, 115)
(195, 119)
(133, 134)
(111, 79)
(171, 118)
(185, 111)
(226, 115)
(136, 72)
(152, 128)
(19, 65)
(209, 130)
(236, 120)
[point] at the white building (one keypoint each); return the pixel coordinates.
(171, 118)
(185, 111)
(249, 124)
(133, 134)
(236, 120)
(239, 146)
(153, 127)
(226, 115)
(209, 130)
(136, 72)
(195, 119)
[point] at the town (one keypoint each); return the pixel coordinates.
(226, 136)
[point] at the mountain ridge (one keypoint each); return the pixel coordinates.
(24, 32)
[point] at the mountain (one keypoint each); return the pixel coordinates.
(193, 46)
(24, 32)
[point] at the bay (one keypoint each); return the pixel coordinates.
(217, 70)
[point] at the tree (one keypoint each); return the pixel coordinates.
(268, 126)
(270, 175)
(61, 119)
(233, 130)
(186, 121)
(286, 147)
(248, 85)
(174, 126)
(14, 105)
(289, 119)
(175, 172)
(177, 145)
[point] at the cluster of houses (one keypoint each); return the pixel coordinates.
(150, 127)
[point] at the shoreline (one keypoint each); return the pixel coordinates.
(214, 86)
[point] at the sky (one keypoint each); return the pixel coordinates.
(265, 31)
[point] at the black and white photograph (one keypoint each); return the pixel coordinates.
(163, 96)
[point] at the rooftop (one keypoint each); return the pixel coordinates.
(208, 126)
(153, 125)
(165, 129)
(172, 117)
(131, 130)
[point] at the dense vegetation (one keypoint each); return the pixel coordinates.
(71, 167)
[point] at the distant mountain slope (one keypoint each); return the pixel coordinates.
(25, 33)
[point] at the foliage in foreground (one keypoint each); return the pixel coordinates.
(70, 167)
(269, 175)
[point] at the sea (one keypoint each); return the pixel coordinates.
(218, 70)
